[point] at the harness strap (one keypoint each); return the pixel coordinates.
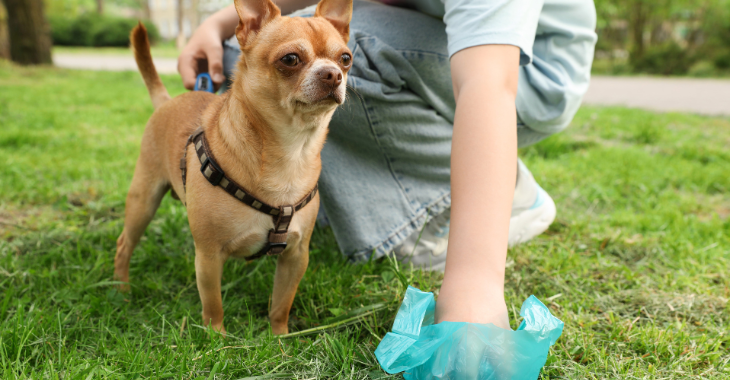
(184, 159)
(282, 215)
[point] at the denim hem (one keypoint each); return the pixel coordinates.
(401, 233)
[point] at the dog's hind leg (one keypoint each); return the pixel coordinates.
(143, 199)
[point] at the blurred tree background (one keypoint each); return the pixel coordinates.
(4, 37)
(659, 37)
(28, 31)
(97, 22)
(27, 27)
(663, 37)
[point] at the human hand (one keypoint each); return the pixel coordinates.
(483, 346)
(462, 299)
(203, 52)
(462, 350)
(472, 351)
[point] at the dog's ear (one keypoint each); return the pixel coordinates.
(253, 15)
(338, 13)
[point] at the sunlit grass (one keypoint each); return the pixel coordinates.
(636, 264)
(163, 50)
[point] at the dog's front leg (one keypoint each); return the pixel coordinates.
(290, 269)
(208, 273)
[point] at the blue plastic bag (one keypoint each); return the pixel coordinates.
(461, 350)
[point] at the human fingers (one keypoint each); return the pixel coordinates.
(214, 55)
(187, 66)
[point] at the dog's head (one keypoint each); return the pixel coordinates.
(295, 66)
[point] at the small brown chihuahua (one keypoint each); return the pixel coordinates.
(258, 148)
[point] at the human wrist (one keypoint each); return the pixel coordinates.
(478, 268)
(466, 291)
(212, 28)
(221, 25)
(459, 304)
(469, 295)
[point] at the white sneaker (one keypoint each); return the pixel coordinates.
(426, 248)
(532, 213)
(532, 208)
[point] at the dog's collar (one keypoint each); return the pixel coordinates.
(217, 177)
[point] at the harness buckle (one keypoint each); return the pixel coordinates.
(276, 243)
(275, 248)
(215, 175)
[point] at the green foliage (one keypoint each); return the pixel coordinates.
(665, 37)
(636, 264)
(69, 8)
(703, 69)
(722, 60)
(91, 29)
(75, 8)
(717, 31)
(68, 31)
(666, 59)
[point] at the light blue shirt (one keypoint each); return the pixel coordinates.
(556, 40)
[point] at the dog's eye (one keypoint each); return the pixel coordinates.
(290, 60)
(346, 60)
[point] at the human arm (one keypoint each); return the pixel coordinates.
(483, 175)
(206, 43)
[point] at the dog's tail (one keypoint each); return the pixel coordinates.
(141, 48)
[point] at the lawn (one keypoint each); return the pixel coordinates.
(637, 263)
(158, 51)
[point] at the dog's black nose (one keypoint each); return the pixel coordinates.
(330, 76)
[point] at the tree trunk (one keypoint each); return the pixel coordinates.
(4, 41)
(30, 34)
(100, 6)
(180, 29)
(637, 20)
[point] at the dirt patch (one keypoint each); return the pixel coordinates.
(715, 205)
(11, 221)
(14, 221)
(663, 306)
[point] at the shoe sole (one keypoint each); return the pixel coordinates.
(530, 223)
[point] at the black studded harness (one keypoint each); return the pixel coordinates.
(282, 215)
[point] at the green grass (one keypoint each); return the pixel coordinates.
(158, 51)
(636, 264)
